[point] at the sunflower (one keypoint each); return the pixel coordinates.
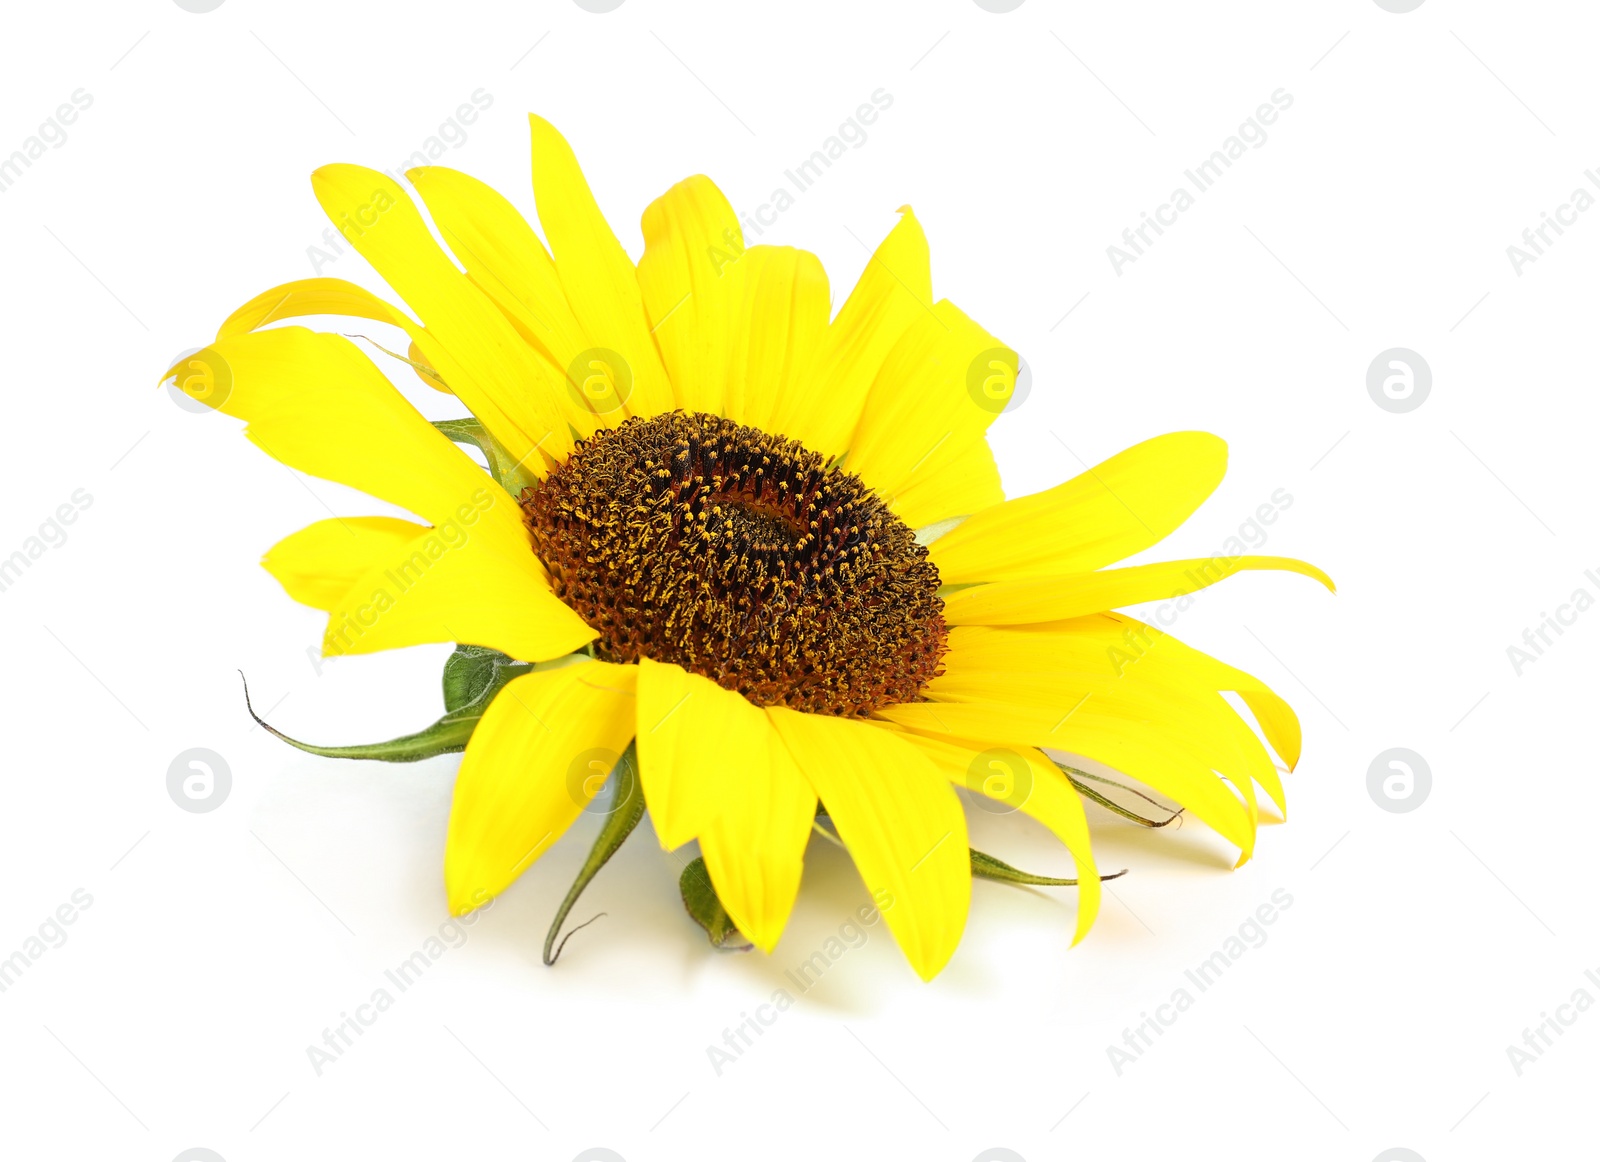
(761, 551)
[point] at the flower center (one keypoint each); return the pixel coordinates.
(740, 556)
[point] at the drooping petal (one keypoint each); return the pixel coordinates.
(903, 825)
(527, 773)
(1077, 594)
(1276, 717)
(317, 565)
(894, 290)
(1115, 509)
(478, 352)
(780, 328)
(1127, 745)
(693, 281)
(1120, 667)
(1122, 645)
(1048, 797)
(596, 274)
(1197, 722)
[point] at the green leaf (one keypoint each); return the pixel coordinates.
(987, 867)
(700, 899)
(627, 808)
(507, 472)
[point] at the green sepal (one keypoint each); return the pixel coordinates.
(1078, 780)
(507, 472)
(700, 900)
(473, 671)
(987, 867)
(469, 686)
(627, 808)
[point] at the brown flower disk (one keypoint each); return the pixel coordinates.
(741, 556)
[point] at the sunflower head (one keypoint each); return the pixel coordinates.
(755, 547)
(739, 555)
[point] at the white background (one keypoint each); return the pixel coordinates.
(1419, 946)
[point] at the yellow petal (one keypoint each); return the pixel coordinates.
(693, 280)
(317, 565)
(1276, 717)
(333, 296)
(713, 769)
(780, 328)
(937, 392)
(1126, 645)
(894, 290)
(1047, 797)
(464, 582)
(527, 773)
(418, 359)
(754, 847)
(1128, 745)
(480, 355)
(1121, 668)
(316, 403)
(902, 824)
(311, 296)
(503, 255)
(959, 479)
(506, 260)
(1110, 512)
(683, 779)
(596, 273)
(1059, 598)
(1198, 722)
